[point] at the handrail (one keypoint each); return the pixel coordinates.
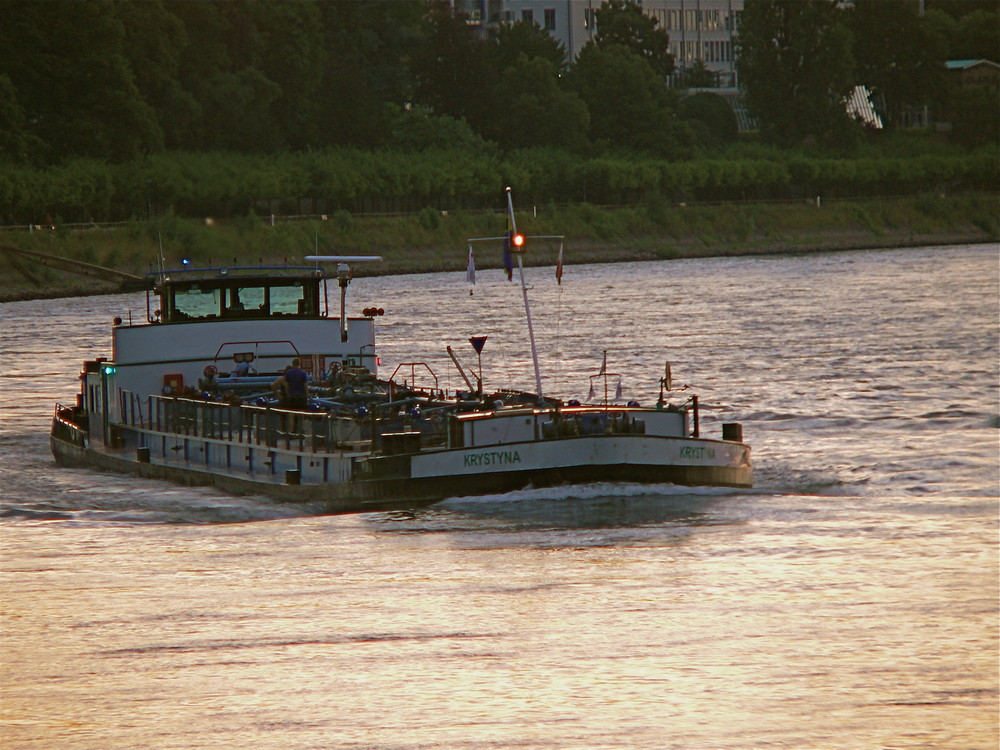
(248, 424)
(255, 343)
(245, 424)
(413, 375)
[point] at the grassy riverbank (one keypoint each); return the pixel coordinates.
(432, 241)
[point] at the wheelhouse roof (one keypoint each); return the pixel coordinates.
(227, 274)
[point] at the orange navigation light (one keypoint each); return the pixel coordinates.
(517, 241)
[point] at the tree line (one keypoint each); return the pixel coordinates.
(110, 109)
(116, 80)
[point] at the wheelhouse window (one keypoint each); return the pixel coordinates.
(246, 300)
(191, 301)
(288, 300)
(238, 299)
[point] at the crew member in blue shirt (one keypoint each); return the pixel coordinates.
(292, 387)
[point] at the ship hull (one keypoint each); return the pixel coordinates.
(202, 394)
(428, 477)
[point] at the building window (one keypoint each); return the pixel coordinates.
(528, 15)
(690, 20)
(589, 18)
(550, 19)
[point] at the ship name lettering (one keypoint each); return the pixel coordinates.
(492, 458)
(689, 451)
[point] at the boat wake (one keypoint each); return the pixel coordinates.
(604, 505)
(156, 511)
(595, 491)
(84, 497)
(785, 479)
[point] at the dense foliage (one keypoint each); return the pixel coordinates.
(796, 63)
(116, 80)
(798, 59)
(351, 180)
(116, 109)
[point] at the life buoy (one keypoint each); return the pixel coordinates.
(211, 371)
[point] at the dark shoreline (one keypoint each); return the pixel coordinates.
(583, 252)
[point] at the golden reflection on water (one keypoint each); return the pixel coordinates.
(334, 632)
(849, 602)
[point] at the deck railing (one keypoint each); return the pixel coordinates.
(311, 432)
(255, 425)
(260, 425)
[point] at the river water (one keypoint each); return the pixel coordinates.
(849, 600)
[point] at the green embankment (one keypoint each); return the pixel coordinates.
(432, 241)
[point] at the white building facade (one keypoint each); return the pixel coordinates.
(698, 29)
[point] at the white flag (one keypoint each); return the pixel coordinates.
(470, 271)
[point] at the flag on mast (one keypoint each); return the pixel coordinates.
(559, 269)
(470, 271)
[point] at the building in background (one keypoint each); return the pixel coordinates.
(973, 73)
(700, 30)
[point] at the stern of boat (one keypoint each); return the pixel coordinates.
(68, 437)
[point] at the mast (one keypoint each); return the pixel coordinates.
(524, 292)
(344, 279)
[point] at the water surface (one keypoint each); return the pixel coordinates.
(849, 600)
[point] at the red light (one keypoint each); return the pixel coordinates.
(517, 240)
